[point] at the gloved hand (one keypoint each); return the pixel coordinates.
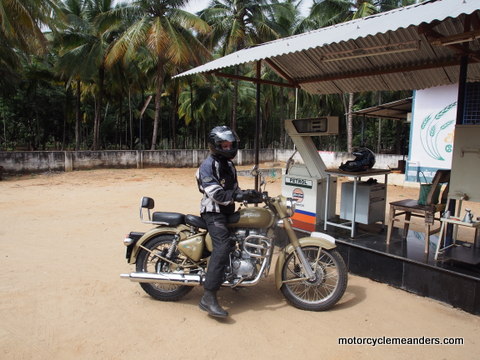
(255, 196)
(250, 196)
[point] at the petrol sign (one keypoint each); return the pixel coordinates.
(292, 181)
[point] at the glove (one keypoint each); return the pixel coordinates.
(256, 196)
(250, 196)
(240, 196)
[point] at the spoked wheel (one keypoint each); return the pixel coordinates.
(321, 292)
(149, 261)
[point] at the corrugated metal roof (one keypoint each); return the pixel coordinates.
(387, 51)
(397, 110)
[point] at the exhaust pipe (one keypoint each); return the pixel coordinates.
(164, 278)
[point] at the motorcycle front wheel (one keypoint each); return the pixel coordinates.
(149, 261)
(325, 289)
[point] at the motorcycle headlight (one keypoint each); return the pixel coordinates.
(290, 204)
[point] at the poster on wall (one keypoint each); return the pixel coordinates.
(431, 133)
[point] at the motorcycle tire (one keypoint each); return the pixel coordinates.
(325, 290)
(148, 262)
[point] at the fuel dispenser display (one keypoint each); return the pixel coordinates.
(306, 183)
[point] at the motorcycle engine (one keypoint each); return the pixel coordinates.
(243, 265)
(244, 268)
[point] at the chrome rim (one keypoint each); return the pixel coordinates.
(154, 264)
(326, 280)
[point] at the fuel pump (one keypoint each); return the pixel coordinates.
(306, 183)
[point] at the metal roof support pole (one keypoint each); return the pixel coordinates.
(462, 84)
(296, 103)
(363, 130)
(257, 126)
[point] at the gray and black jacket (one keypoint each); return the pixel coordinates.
(217, 181)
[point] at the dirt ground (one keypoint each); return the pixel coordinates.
(61, 296)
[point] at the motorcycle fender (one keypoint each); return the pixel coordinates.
(151, 234)
(322, 240)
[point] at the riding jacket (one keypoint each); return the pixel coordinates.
(217, 181)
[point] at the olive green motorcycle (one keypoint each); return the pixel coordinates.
(173, 256)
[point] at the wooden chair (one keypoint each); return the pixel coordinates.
(410, 207)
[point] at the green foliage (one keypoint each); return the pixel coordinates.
(92, 81)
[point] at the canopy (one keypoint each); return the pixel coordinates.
(413, 47)
(397, 110)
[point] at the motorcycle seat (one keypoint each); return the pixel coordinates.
(196, 221)
(170, 218)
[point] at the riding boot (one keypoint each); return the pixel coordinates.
(210, 304)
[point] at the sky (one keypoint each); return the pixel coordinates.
(197, 5)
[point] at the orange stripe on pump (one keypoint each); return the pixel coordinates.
(303, 218)
(303, 221)
(303, 225)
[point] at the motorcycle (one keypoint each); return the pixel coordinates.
(172, 257)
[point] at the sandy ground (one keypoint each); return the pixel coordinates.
(61, 296)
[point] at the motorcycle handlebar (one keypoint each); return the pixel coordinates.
(249, 196)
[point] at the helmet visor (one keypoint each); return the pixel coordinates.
(226, 135)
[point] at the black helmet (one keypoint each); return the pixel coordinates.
(364, 160)
(220, 134)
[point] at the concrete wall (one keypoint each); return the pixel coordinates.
(22, 162)
(29, 162)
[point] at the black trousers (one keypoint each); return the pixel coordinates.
(217, 227)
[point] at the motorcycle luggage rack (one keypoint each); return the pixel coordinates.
(159, 217)
(148, 203)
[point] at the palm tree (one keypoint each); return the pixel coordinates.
(237, 24)
(330, 12)
(72, 12)
(21, 22)
(386, 5)
(197, 102)
(287, 18)
(91, 28)
(164, 29)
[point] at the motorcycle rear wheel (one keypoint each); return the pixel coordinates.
(147, 261)
(325, 290)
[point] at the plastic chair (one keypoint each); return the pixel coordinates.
(411, 207)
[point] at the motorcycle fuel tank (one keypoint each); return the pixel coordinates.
(251, 217)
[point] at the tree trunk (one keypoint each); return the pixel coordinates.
(173, 118)
(233, 120)
(66, 113)
(196, 143)
(130, 118)
(379, 139)
(98, 109)
(158, 95)
(78, 116)
(349, 123)
(399, 141)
